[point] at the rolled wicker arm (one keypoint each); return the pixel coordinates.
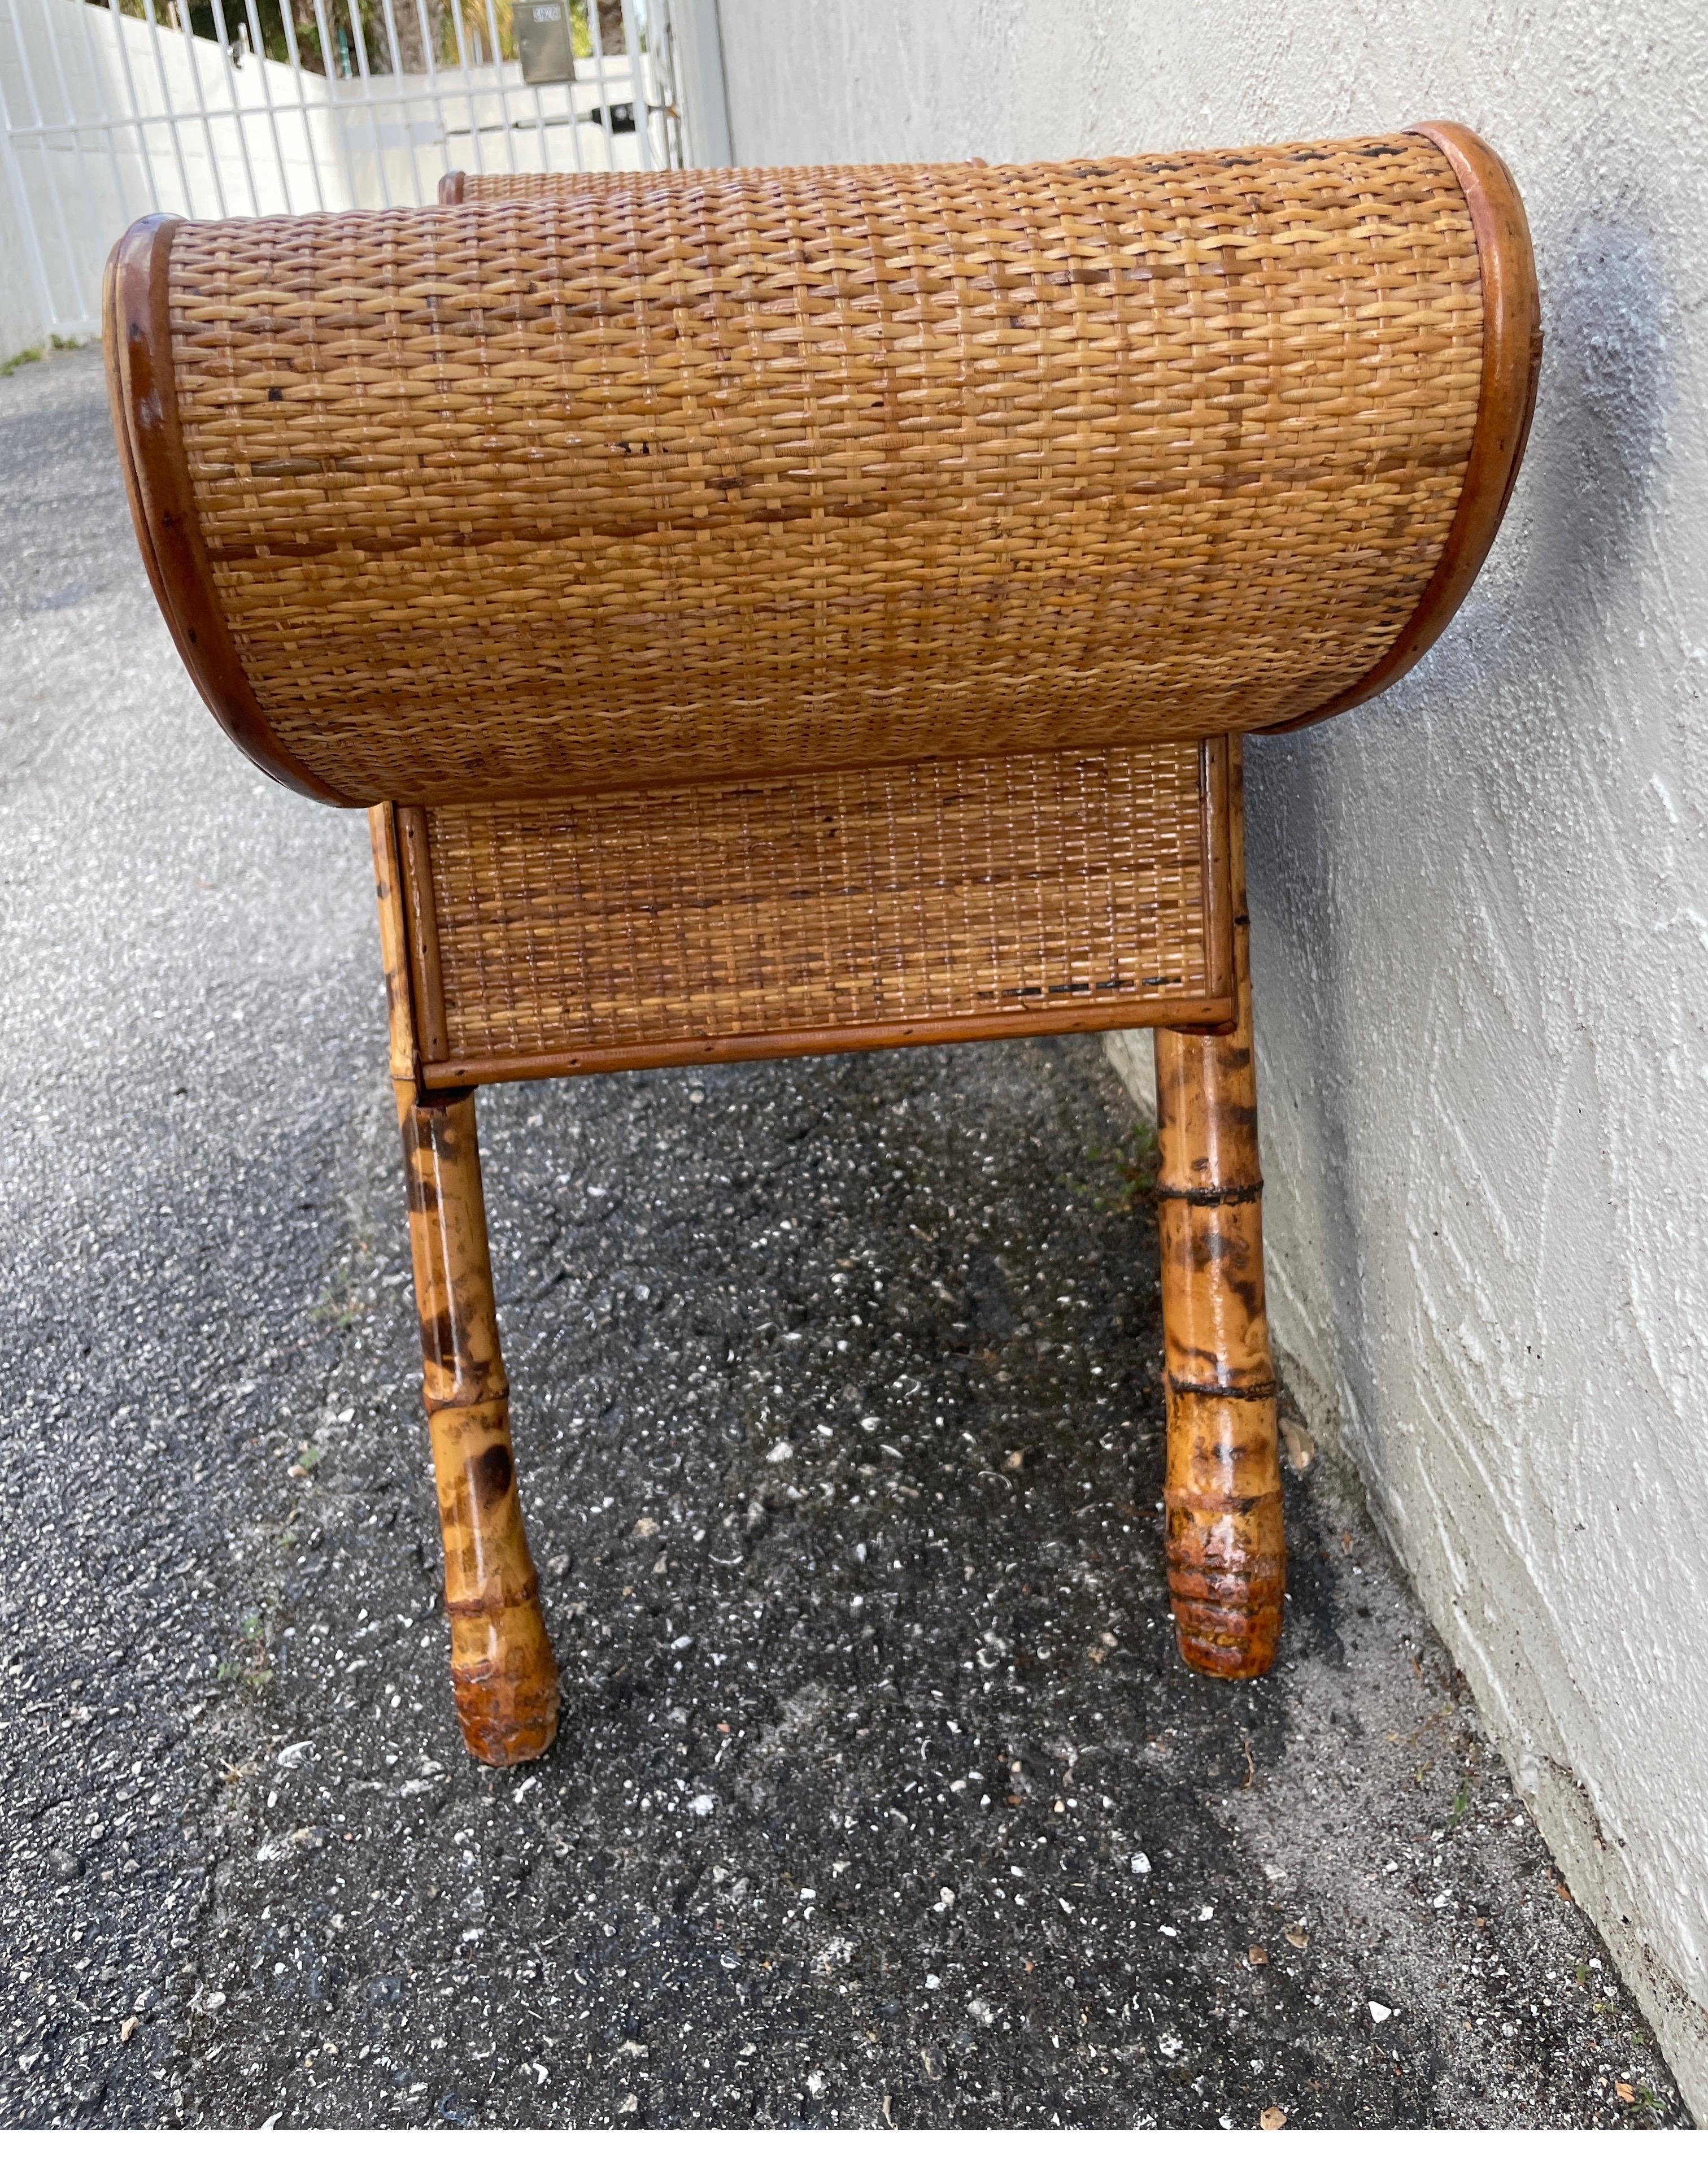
(709, 476)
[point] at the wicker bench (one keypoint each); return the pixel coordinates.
(778, 612)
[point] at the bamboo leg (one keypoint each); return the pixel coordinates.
(503, 1673)
(1227, 1554)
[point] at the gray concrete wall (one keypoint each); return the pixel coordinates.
(1481, 906)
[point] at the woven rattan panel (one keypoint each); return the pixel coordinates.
(486, 188)
(716, 474)
(964, 897)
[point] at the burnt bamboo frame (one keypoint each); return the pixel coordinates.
(1226, 1552)
(504, 1675)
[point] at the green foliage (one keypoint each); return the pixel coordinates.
(1139, 1166)
(248, 1662)
(36, 355)
(1135, 1166)
(340, 1304)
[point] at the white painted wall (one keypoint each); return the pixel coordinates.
(105, 116)
(23, 313)
(700, 88)
(1480, 905)
(71, 78)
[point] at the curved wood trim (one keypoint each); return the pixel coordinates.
(451, 188)
(1512, 359)
(1216, 761)
(136, 333)
(421, 922)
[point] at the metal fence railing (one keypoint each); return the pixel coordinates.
(111, 108)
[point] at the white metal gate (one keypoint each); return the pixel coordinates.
(111, 108)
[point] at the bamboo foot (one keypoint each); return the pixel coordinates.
(1227, 1553)
(503, 1673)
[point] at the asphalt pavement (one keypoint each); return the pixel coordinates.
(880, 1799)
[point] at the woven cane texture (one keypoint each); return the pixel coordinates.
(916, 897)
(486, 188)
(724, 474)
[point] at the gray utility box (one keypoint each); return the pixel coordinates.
(542, 31)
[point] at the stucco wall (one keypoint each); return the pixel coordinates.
(1481, 906)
